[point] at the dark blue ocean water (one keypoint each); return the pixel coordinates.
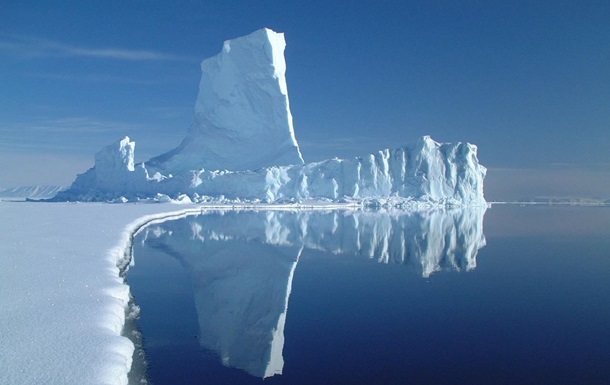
(510, 295)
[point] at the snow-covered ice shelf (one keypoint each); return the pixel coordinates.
(63, 302)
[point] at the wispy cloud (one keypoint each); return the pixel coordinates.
(604, 166)
(27, 46)
(104, 78)
(72, 134)
(66, 125)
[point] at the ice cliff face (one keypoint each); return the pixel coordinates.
(241, 146)
(114, 163)
(425, 171)
(242, 113)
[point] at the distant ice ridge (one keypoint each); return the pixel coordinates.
(241, 147)
(30, 192)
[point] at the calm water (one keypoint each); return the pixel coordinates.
(510, 295)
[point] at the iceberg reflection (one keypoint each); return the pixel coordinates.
(242, 263)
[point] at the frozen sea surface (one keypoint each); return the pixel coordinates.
(531, 307)
(62, 301)
(393, 298)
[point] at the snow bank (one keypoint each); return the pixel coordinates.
(63, 302)
(241, 146)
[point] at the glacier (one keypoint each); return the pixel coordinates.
(242, 147)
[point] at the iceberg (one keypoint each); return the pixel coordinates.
(242, 147)
(242, 114)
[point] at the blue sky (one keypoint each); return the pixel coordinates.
(528, 82)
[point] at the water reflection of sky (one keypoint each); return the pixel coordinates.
(334, 298)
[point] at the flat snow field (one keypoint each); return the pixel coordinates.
(62, 302)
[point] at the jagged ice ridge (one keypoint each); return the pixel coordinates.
(241, 146)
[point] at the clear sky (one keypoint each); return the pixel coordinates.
(527, 81)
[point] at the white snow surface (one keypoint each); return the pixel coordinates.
(242, 146)
(63, 302)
